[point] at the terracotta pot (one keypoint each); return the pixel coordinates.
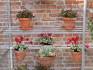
(90, 4)
(90, 15)
(45, 61)
(76, 56)
(74, 1)
(20, 55)
(69, 23)
(25, 23)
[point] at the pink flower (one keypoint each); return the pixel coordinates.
(87, 46)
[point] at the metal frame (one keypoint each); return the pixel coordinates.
(10, 33)
(83, 34)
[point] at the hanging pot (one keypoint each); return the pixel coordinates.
(76, 56)
(20, 55)
(25, 23)
(45, 61)
(69, 23)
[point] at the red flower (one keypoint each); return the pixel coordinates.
(73, 40)
(45, 35)
(49, 34)
(69, 40)
(18, 39)
(41, 35)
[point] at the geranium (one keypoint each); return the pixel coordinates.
(19, 43)
(19, 39)
(74, 43)
(45, 39)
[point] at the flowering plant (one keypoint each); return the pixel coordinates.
(45, 39)
(19, 46)
(74, 41)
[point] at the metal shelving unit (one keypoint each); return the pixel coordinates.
(80, 30)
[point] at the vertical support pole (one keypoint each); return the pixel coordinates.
(84, 32)
(64, 2)
(10, 33)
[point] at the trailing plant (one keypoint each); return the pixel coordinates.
(45, 39)
(24, 14)
(74, 44)
(46, 51)
(90, 27)
(68, 13)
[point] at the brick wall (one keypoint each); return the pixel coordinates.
(46, 20)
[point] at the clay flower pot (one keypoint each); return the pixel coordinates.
(69, 23)
(25, 23)
(90, 4)
(76, 56)
(45, 61)
(20, 55)
(74, 1)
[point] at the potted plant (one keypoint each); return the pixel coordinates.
(46, 56)
(45, 39)
(69, 18)
(90, 27)
(25, 19)
(20, 49)
(75, 48)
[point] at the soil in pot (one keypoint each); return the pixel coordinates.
(45, 43)
(48, 1)
(25, 23)
(69, 23)
(20, 55)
